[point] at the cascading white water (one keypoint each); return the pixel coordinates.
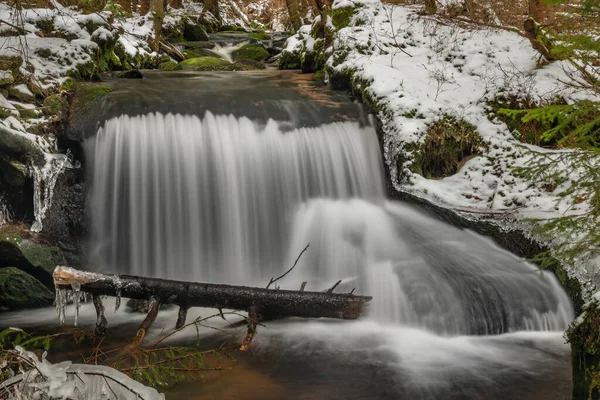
(223, 199)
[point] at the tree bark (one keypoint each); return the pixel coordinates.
(212, 6)
(537, 10)
(294, 14)
(270, 303)
(144, 7)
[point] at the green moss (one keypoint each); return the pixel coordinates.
(289, 60)
(20, 290)
(203, 64)
(260, 36)
(26, 113)
(11, 63)
(169, 66)
(319, 76)
(341, 16)
(20, 96)
(231, 28)
(250, 52)
(40, 256)
(86, 96)
(55, 104)
(12, 173)
(88, 71)
(448, 144)
(584, 337)
(194, 32)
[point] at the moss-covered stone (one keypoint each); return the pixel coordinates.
(194, 32)
(200, 52)
(250, 52)
(26, 113)
(19, 146)
(12, 172)
(20, 290)
(448, 144)
(11, 63)
(250, 64)
(341, 16)
(289, 60)
(260, 36)
(55, 104)
(169, 66)
(20, 96)
(204, 64)
(40, 256)
(131, 74)
(86, 96)
(6, 78)
(231, 28)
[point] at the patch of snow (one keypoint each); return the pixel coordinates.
(22, 88)
(8, 105)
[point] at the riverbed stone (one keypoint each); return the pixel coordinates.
(12, 172)
(250, 52)
(204, 64)
(20, 290)
(194, 32)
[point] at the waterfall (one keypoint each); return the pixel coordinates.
(227, 200)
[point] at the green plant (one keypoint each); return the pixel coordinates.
(568, 125)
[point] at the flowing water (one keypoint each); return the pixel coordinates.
(227, 199)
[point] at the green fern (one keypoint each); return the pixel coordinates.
(570, 125)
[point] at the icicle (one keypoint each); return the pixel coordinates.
(118, 300)
(76, 297)
(61, 304)
(44, 180)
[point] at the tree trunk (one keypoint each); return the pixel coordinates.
(212, 6)
(537, 10)
(270, 303)
(158, 15)
(430, 7)
(294, 13)
(144, 7)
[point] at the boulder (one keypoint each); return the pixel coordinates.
(20, 290)
(194, 32)
(250, 52)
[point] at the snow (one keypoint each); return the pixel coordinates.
(22, 88)
(8, 105)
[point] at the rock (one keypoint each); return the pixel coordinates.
(169, 66)
(231, 28)
(289, 60)
(201, 52)
(251, 64)
(11, 64)
(205, 64)
(6, 77)
(21, 93)
(20, 290)
(12, 172)
(55, 105)
(199, 45)
(17, 145)
(250, 52)
(36, 259)
(131, 74)
(194, 32)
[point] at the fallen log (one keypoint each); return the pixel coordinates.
(261, 303)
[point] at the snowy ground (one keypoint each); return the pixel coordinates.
(415, 66)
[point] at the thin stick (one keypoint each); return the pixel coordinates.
(289, 270)
(334, 286)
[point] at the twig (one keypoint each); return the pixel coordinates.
(334, 286)
(289, 270)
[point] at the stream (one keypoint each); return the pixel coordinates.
(226, 177)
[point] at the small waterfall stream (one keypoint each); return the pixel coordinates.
(227, 200)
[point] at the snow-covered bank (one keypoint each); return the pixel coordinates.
(414, 72)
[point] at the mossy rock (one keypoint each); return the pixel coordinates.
(251, 64)
(26, 113)
(169, 66)
(194, 32)
(41, 256)
(86, 96)
(6, 78)
(11, 63)
(55, 104)
(131, 74)
(20, 96)
(12, 172)
(231, 28)
(19, 146)
(200, 52)
(20, 290)
(341, 16)
(260, 36)
(250, 52)
(449, 143)
(204, 64)
(289, 60)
